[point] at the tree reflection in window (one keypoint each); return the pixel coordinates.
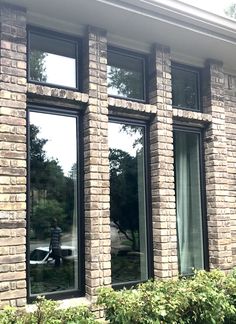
(53, 196)
(52, 59)
(185, 88)
(125, 75)
(127, 203)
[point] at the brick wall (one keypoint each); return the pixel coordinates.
(162, 166)
(216, 169)
(217, 118)
(12, 156)
(96, 166)
(230, 120)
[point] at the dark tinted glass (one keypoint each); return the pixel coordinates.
(188, 201)
(128, 203)
(185, 92)
(53, 204)
(52, 60)
(125, 75)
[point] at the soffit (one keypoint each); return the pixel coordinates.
(193, 35)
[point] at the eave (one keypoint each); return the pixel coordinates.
(194, 35)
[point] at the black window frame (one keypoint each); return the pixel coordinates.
(149, 231)
(61, 37)
(179, 127)
(80, 292)
(198, 73)
(135, 55)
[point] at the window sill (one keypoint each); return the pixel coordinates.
(47, 91)
(195, 116)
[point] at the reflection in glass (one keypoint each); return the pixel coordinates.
(52, 60)
(125, 76)
(188, 201)
(185, 88)
(128, 205)
(53, 204)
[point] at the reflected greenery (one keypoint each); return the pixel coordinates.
(124, 194)
(37, 66)
(125, 75)
(125, 268)
(47, 278)
(128, 84)
(52, 193)
(52, 200)
(127, 205)
(185, 88)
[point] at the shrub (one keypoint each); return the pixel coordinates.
(205, 298)
(47, 312)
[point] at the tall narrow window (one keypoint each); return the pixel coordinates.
(128, 203)
(188, 201)
(53, 229)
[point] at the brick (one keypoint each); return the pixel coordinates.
(217, 170)
(162, 160)
(96, 164)
(12, 156)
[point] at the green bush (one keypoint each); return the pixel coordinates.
(205, 298)
(47, 312)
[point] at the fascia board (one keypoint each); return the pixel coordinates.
(180, 15)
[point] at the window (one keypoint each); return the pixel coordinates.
(185, 87)
(126, 75)
(128, 207)
(53, 59)
(54, 250)
(189, 200)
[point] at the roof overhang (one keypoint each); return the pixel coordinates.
(194, 35)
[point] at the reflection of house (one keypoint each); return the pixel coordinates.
(172, 68)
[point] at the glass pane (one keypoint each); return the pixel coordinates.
(188, 201)
(125, 76)
(185, 89)
(53, 204)
(52, 60)
(128, 205)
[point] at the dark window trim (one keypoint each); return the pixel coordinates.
(197, 71)
(200, 132)
(144, 60)
(80, 292)
(149, 231)
(63, 37)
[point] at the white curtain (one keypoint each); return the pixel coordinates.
(188, 202)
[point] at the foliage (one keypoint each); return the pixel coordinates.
(127, 83)
(45, 279)
(52, 193)
(124, 193)
(47, 312)
(44, 212)
(231, 11)
(205, 298)
(37, 66)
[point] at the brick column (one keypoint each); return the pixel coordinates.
(96, 168)
(219, 230)
(12, 155)
(162, 166)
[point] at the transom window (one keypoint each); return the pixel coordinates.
(185, 87)
(126, 75)
(53, 59)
